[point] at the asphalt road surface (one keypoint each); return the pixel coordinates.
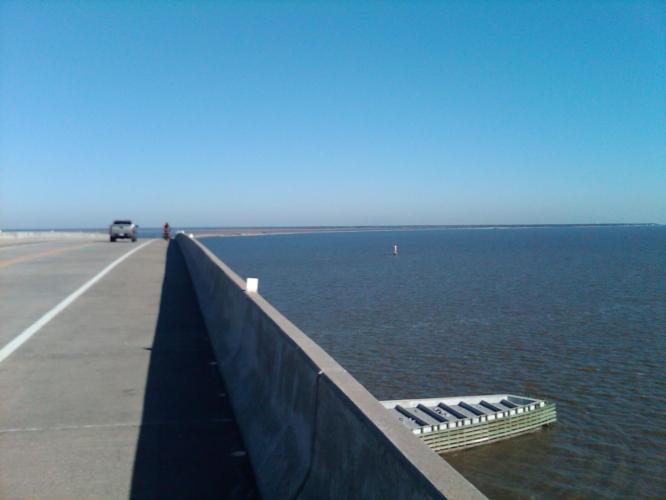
(108, 386)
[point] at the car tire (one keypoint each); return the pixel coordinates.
(133, 240)
(112, 239)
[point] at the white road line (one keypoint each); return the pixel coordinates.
(18, 341)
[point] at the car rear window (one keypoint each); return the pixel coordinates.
(123, 222)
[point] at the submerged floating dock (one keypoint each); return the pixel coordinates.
(448, 424)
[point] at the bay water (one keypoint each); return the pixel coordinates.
(572, 315)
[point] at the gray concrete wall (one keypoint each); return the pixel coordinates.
(312, 431)
(10, 236)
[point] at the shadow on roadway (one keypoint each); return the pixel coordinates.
(189, 445)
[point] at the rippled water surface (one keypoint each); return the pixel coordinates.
(573, 315)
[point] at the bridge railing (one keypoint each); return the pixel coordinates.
(311, 430)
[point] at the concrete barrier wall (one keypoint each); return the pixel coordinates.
(311, 430)
(49, 235)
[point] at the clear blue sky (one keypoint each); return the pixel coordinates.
(349, 113)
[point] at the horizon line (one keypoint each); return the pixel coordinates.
(343, 226)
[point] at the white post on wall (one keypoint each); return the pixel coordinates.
(251, 285)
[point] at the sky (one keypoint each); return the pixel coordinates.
(345, 113)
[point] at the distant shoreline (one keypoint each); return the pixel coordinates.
(203, 232)
(266, 231)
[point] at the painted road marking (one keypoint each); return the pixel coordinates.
(18, 341)
(14, 246)
(32, 256)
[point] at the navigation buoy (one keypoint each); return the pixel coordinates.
(395, 249)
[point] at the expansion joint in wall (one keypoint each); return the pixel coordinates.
(313, 438)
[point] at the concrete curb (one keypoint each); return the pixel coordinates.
(10, 236)
(311, 430)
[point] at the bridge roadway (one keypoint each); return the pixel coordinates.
(117, 395)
